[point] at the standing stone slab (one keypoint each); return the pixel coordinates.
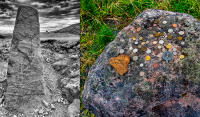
(24, 76)
(162, 78)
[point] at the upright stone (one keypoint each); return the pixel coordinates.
(24, 76)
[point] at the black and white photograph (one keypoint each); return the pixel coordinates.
(39, 58)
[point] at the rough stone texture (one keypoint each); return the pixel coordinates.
(74, 108)
(163, 78)
(24, 65)
(59, 57)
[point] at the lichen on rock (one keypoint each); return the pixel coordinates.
(162, 76)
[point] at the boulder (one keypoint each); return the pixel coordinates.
(150, 69)
(24, 77)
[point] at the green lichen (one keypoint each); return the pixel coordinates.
(191, 63)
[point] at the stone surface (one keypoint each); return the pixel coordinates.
(74, 108)
(24, 65)
(58, 54)
(164, 80)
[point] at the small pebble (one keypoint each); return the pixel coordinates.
(142, 73)
(139, 29)
(164, 22)
(141, 65)
(135, 50)
(135, 58)
(182, 56)
(139, 46)
(174, 53)
(143, 43)
(170, 30)
(151, 35)
(154, 42)
(136, 42)
(148, 51)
(169, 36)
(14, 115)
(144, 49)
(52, 106)
(121, 51)
(179, 38)
(163, 49)
(159, 47)
(134, 38)
(182, 43)
(174, 49)
(174, 25)
(161, 42)
(181, 33)
(147, 58)
(141, 38)
(130, 48)
(157, 34)
(156, 65)
(147, 42)
(169, 46)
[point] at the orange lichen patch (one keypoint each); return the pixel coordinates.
(180, 38)
(174, 25)
(120, 63)
(189, 100)
(139, 29)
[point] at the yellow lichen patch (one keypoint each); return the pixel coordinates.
(162, 34)
(156, 21)
(120, 63)
(147, 58)
(144, 49)
(157, 34)
(169, 46)
(141, 38)
(134, 38)
(182, 56)
(180, 38)
(169, 36)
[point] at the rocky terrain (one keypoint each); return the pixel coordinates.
(59, 96)
(151, 69)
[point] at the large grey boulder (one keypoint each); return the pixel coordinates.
(151, 69)
(25, 69)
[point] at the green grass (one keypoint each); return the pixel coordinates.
(102, 19)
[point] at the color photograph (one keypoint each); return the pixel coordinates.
(140, 58)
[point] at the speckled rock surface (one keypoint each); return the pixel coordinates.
(162, 78)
